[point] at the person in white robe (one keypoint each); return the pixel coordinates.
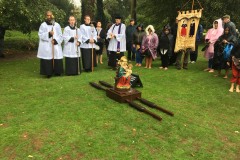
(89, 38)
(71, 50)
(117, 42)
(49, 49)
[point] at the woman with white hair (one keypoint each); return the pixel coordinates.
(149, 46)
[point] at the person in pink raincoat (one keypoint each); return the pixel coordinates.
(149, 46)
(211, 37)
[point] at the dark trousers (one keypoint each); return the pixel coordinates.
(87, 58)
(165, 60)
(185, 59)
(139, 57)
(131, 54)
(113, 58)
(194, 54)
(173, 59)
(210, 63)
(72, 66)
(49, 68)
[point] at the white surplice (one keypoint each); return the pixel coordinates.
(88, 32)
(70, 48)
(121, 37)
(45, 43)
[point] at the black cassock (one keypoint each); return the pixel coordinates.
(71, 65)
(87, 58)
(47, 67)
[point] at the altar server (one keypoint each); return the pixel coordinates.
(49, 49)
(89, 38)
(71, 50)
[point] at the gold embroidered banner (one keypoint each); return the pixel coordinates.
(187, 28)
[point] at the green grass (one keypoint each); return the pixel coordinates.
(65, 118)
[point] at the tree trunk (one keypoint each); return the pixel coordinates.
(100, 13)
(87, 9)
(133, 9)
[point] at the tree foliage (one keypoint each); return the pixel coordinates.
(66, 6)
(27, 15)
(120, 7)
(88, 8)
(161, 12)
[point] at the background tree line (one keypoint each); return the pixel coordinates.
(161, 12)
(27, 15)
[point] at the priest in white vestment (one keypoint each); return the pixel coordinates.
(117, 42)
(49, 49)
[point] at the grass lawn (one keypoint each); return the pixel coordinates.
(65, 118)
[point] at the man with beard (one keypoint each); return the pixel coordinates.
(49, 49)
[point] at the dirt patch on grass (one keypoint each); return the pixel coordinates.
(16, 55)
(80, 156)
(36, 139)
(10, 152)
(3, 125)
(9, 117)
(37, 143)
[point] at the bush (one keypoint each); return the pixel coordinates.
(19, 41)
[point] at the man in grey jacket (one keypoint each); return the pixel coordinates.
(227, 23)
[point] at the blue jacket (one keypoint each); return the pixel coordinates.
(199, 33)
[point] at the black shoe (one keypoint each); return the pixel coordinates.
(178, 68)
(48, 76)
(185, 68)
(2, 56)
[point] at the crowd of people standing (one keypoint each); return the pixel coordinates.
(83, 46)
(222, 50)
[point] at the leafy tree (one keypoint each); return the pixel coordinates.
(88, 8)
(216, 9)
(157, 12)
(26, 15)
(66, 6)
(121, 7)
(161, 12)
